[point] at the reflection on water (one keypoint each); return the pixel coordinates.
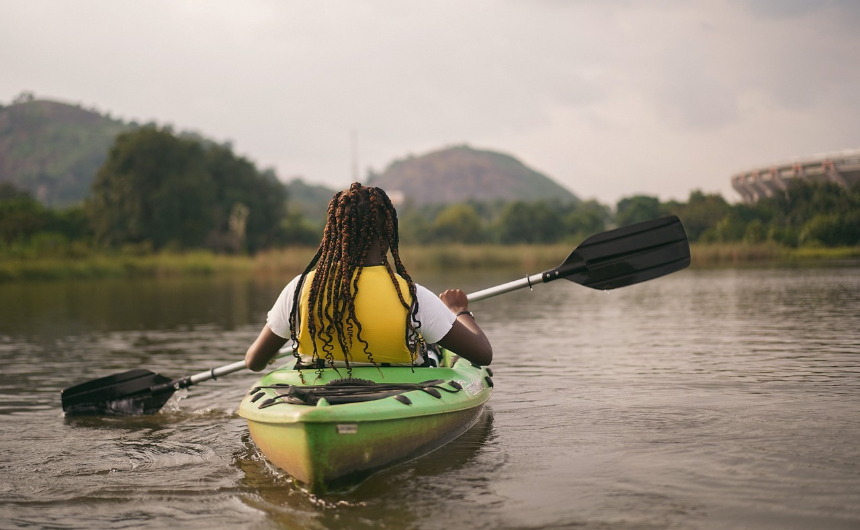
(714, 399)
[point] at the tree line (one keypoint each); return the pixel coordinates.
(807, 214)
(158, 190)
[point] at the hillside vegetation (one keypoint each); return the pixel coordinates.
(461, 173)
(308, 200)
(53, 150)
(155, 192)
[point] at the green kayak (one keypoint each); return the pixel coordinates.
(331, 432)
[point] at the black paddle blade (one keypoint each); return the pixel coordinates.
(627, 255)
(126, 394)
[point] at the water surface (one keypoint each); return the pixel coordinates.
(706, 399)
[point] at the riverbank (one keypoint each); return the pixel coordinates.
(290, 261)
(767, 254)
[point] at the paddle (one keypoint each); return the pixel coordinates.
(608, 260)
(134, 392)
(616, 258)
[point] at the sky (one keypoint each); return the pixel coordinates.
(609, 98)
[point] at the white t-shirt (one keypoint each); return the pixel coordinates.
(435, 317)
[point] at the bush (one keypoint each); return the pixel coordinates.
(832, 230)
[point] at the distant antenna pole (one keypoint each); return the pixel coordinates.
(355, 156)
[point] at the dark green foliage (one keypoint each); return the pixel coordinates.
(458, 223)
(153, 187)
(174, 192)
(298, 230)
(523, 222)
(832, 229)
(502, 222)
(820, 213)
(23, 218)
(237, 182)
(585, 219)
(637, 209)
(701, 213)
(808, 213)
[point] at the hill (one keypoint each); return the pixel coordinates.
(461, 173)
(54, 149)
(311, 200)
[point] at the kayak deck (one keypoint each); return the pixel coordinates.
(330, 446)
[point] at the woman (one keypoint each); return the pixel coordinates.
(350, 306)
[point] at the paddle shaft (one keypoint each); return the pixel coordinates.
(212, 373)
(528, 281)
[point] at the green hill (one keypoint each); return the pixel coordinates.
(311, 200)
(53, 149)
(461, 173)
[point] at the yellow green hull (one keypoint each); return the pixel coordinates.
(329, 447)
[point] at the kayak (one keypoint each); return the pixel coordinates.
(330, 432)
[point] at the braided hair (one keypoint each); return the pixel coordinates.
(356, 218)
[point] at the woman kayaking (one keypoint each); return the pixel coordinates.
(350, 306)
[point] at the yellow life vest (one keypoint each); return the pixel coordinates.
(382, 318)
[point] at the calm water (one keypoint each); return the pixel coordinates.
(707, 399)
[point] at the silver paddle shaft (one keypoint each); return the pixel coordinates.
(215, 373)
(528, 281)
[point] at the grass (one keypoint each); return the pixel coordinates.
(289, 261)
(120, 266)
(293, 260)
(718, 254)
(736, 254)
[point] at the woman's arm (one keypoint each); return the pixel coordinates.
(465, 338)
(264, 349)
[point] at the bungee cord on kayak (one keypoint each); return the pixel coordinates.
(349, 390)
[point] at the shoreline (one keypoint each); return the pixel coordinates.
(292, 260)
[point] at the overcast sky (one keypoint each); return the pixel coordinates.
(609, 98)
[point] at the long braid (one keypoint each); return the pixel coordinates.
(414, 342)
(355, 219)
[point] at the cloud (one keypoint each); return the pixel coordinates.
(843, 9)
(606, 97)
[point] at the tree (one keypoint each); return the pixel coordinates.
(458, 223)
(21, 216)
(636, 209)
(172, 191)
(523, 222)
(821, 213)
(701, 213)
(296, 229)
(238, 182)
(586, 218)
(833, 229)
(153, 187)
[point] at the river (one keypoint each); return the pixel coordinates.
(722, 398)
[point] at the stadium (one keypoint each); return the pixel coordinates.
(841, 167)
